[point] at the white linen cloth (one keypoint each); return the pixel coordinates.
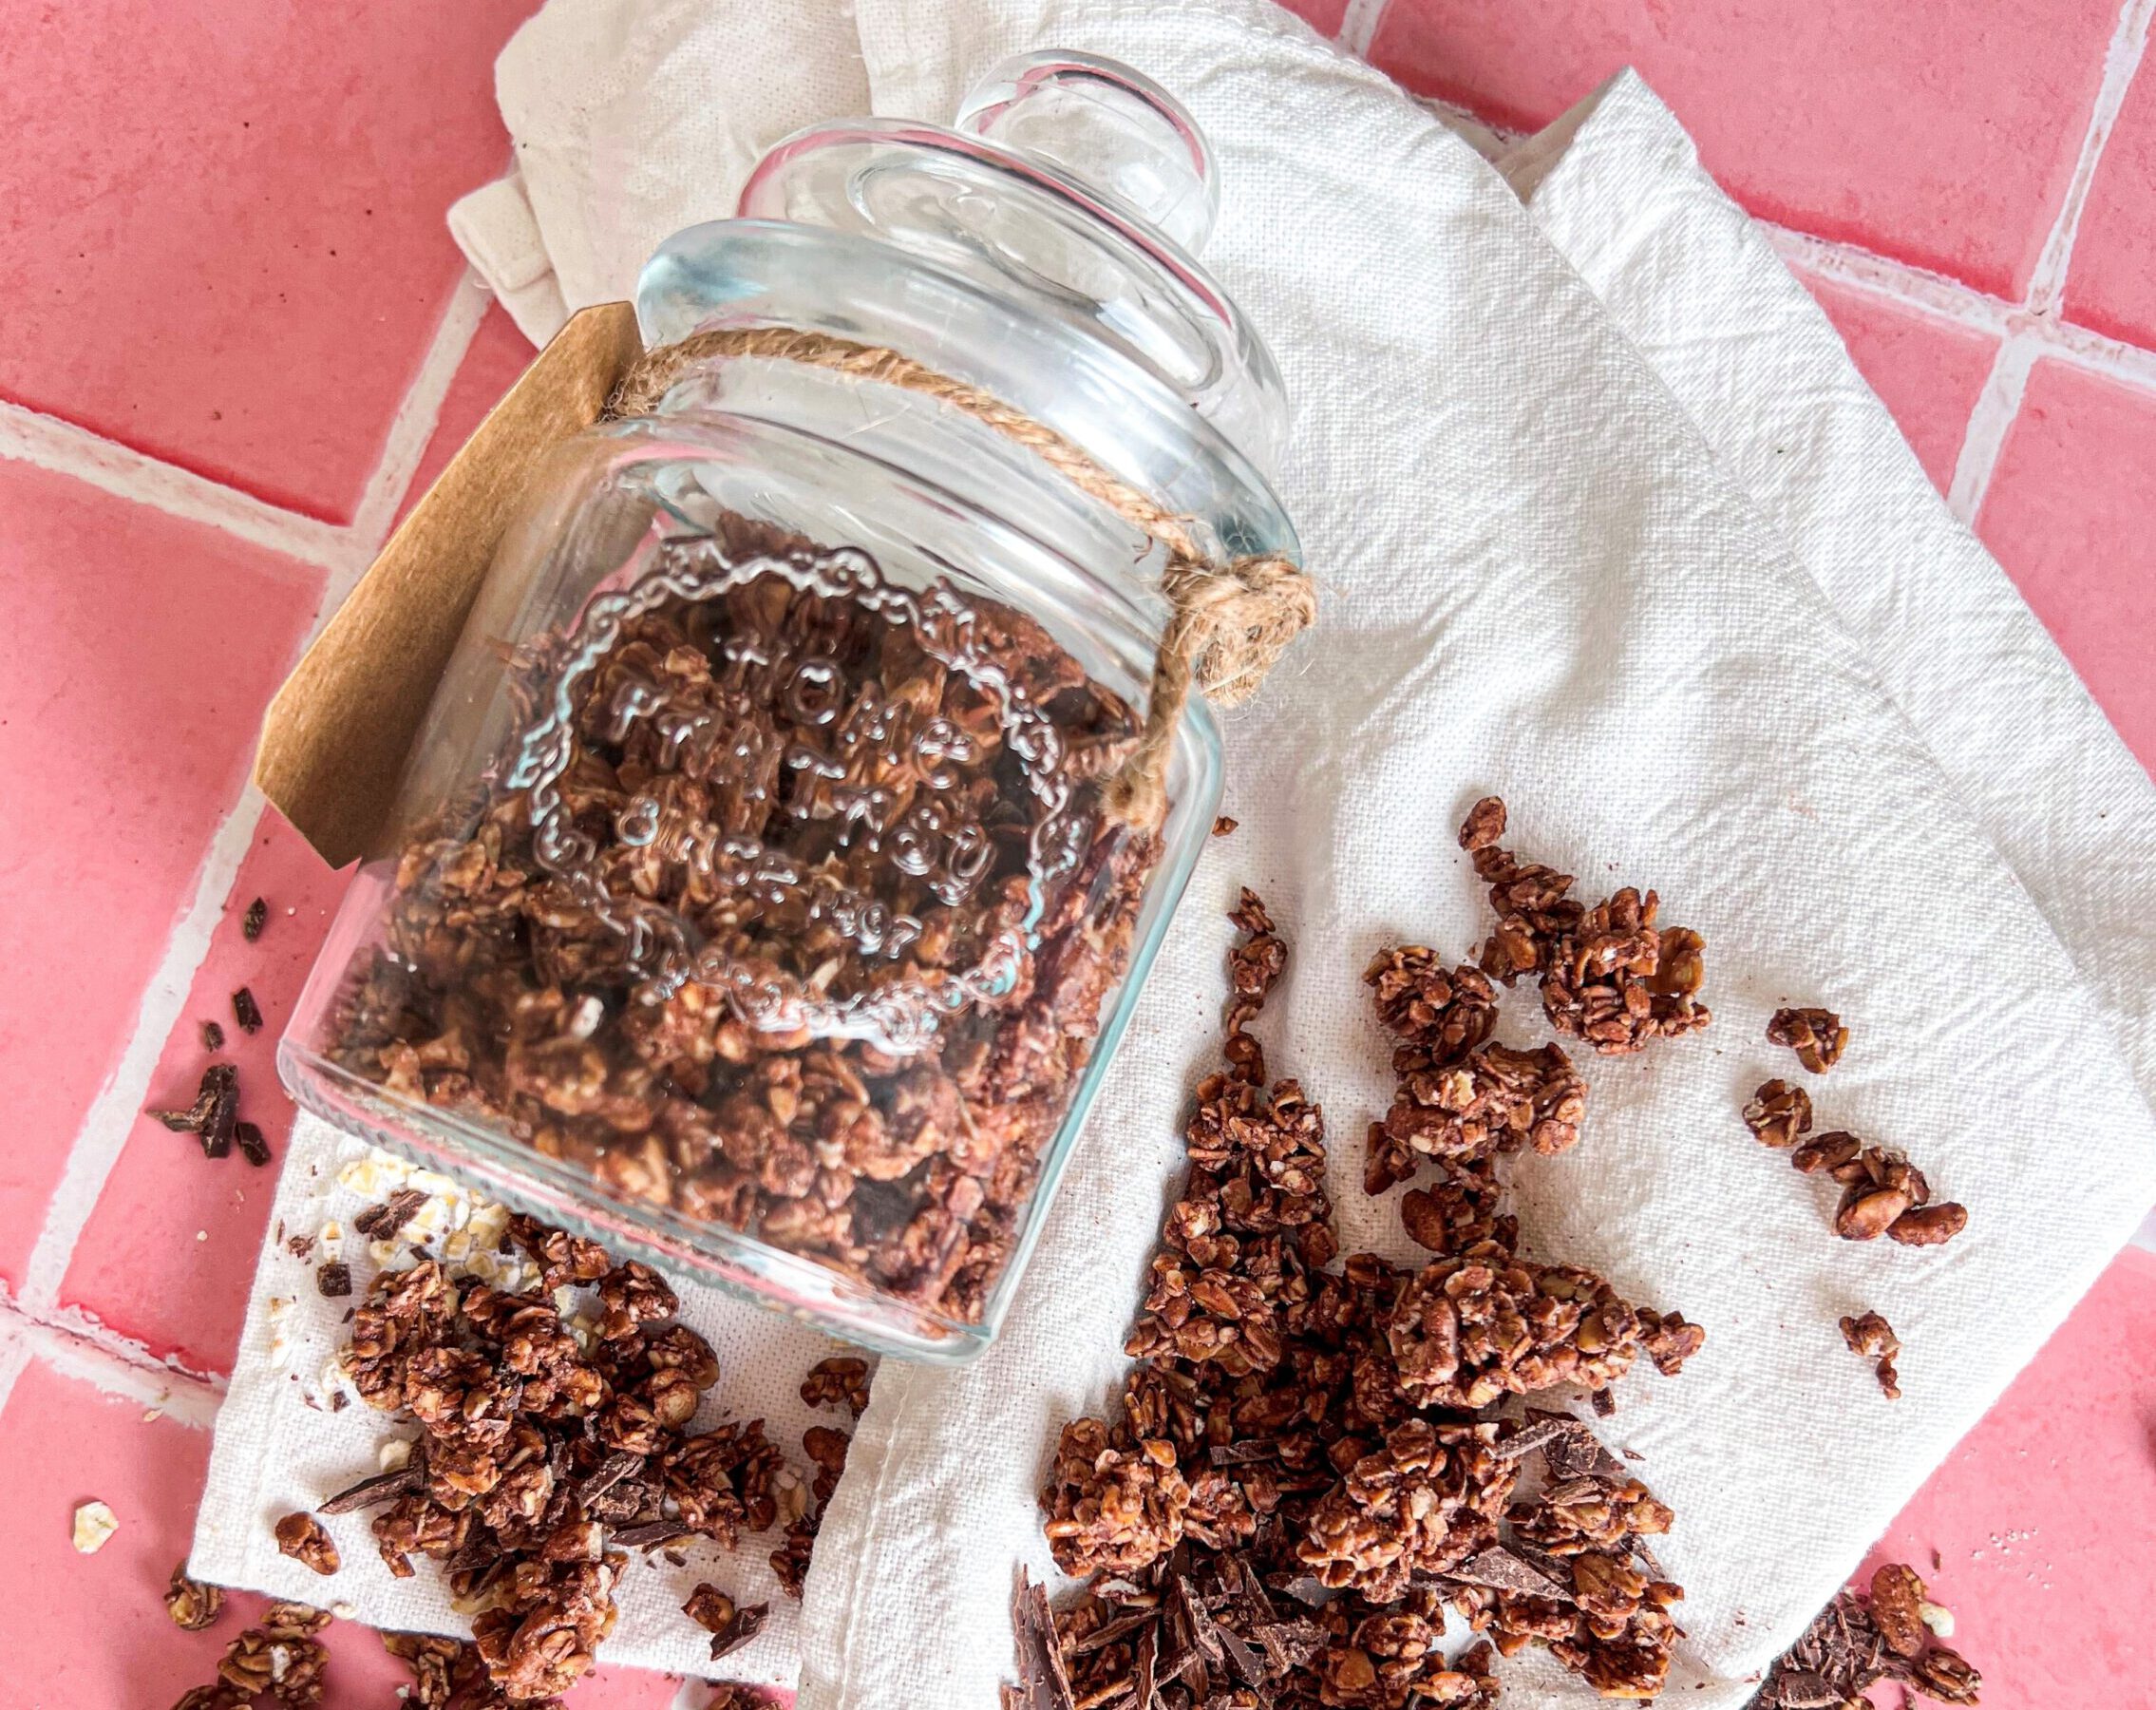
(1608, 523)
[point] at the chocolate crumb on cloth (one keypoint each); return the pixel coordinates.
(1860, 1639)
(1290, 1496)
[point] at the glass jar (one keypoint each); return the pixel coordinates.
(764, 896)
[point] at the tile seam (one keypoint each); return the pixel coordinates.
(77, 1346)
(1358, 25)
(1990, 421)
(48, 443)
(418, 413)
(2121, 57)
(111, 1120)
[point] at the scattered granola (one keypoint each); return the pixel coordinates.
(382, 1221)
(731, 1627)
(1778, 1114)
(1293, 1494)
(279, 1656)
(1882, 1193)
(1224, 825)
(1872, 1337)
(1818, 1036)
(842, 1378)
(94, 1525)
(191, 1604)
(1609, 975)
(246, 1011)
(731, 761)
(543, 1460)
(301, 1537)
(251, 923)
(1859, 1640)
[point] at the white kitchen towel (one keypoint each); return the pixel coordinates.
(1609, 558)
(292, 1433)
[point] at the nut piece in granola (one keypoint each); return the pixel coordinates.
(1873, 1338)
(191, 1604)
(1897, 1607)
(1929, 1226)
(1817, 1035)
(302, 1537)
(1778, 1114)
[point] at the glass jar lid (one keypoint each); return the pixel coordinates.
(1040, 251)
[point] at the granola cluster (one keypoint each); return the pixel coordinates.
(794, 805)
(1873, 1338)
(1882, 1193)
(281, 1657)
(1609, 975)
(543, 1460)
(1888, 1633)
(1305, 1474)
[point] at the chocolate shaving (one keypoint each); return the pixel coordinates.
(1243, 1454)
(252, 1146)
(333, 1282)
(648, 1534)
(370, 1492)
(246, 1011)
(610, 1471)
(746, 1624)
(251, 923)
(379, 1222)
(212, 1036)
(1504, 1570)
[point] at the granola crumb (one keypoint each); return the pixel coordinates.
(302, 1537)
(1817, 1035)
(94, 1525)
(1223, 825)
(1873, 1338)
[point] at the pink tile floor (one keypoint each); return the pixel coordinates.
(236, 343)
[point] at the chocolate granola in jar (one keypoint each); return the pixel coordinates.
(828, 746)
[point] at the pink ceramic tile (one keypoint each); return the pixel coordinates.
(2108, 283)
(226, 242)
(83, 1631)
(2068, 514)
(141, 1266)
(1940, 133)
(1324, 16)
(134, 665)
(498, 355)
(2042, 1517)
(1927, 373)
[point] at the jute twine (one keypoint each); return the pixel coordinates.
(1228, 621)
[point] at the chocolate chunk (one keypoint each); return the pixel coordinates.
(383, 1486)
(333, 1282)
(252, 1146)
(382, 1221)
(212, 1036)
(251, 923)
(246, 1011)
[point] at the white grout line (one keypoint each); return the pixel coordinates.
(1358, 25)
(88, 1352)
(14, 1355)
(112, 1115)
(1929, 293)
(1989, 421)
(415, 421)
(2047, 283)
(26, 436)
